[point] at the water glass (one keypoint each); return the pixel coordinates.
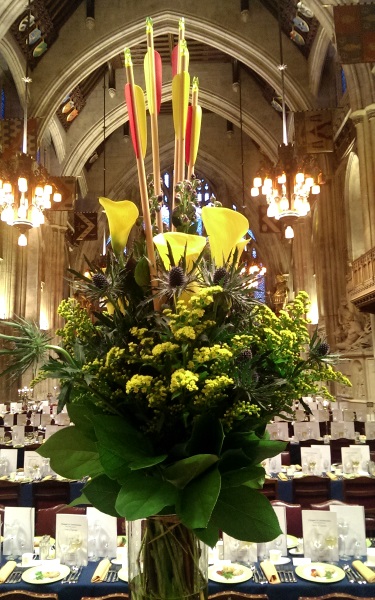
(44, 547)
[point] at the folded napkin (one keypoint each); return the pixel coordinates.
(101, 571)
(270, 572)
(298, 467)
(366, 572)
(6, 570)
(282, 477)
(331, 476)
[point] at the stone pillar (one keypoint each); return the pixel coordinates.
(365, 155)
(304, 263)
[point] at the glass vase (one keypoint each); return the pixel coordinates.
(166, 560)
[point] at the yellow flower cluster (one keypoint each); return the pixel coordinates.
(77, 322)
(213, 387)
(185, 333)
(184, 379)
(206, 354)
(164, 348)
(139, 384)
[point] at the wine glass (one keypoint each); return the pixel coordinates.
(63, 541)
(355, 463)
(93, 542)
(343, 529)
(312, 465)
(75, 543)
(317, 543)
(330, 542)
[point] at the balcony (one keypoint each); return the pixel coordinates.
(361, 287)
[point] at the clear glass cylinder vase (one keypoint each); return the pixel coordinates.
(166, 560)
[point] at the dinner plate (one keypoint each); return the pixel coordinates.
(282, 561)
(291, 541)
(215, 570)
(295, 552)
(304, 571)
(30, 575)
(123, 574)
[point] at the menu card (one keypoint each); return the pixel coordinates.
(15, 407)
(325, 456)
(238, 551)
(21, 418)
(35, 419)
(351, 520)
(370, 430)
(71, 539)
(272, 465)
(50, 430)
(311, 461)
(364, 451)
(18, 435)
(45, 419)
(337, 415)
(62, 419)
(278, 431)
(280, 542)
(307, 430)
(8, 420)
(18, 530)
(8, 459)
(342, 429)
(102, 533)
(320, 535)
(351, 460)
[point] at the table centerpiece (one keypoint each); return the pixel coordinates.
(170, 369)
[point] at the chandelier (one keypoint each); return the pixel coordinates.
(26, 188)
(287, 185)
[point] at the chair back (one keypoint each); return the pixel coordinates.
(45, 520)
(325, 505)
(269, 489)
(228, 595)
(9, 493)
(293, 514)
(332, 596)
(50, 493)
(336, 446)
(310, 488)
(360, 490)
(114, 596)
(25, 595)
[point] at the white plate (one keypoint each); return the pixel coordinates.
(123, 574)
(291, 541)
(304, 571)
(294, 551)
(29, 575)
(282, 561)
(116, 561)
(214, 575)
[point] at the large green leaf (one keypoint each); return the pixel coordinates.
(255, 448)
(72, 454)
(187, 469)
(207, 436)
(209, 535)
(241, 477)
(196, 501)
(246, 514)
(114, 466)
(117, 436)
(142, 496)
(102, 492)
(81, 416)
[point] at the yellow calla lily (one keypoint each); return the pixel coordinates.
(178, 241)
(121, 216)
(225, 229)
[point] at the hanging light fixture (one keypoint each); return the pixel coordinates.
(288, 185)
(26, 188)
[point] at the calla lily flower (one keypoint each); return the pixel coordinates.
(178, 241)
(225, 229)
(121, 217)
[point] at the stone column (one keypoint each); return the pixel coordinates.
(304, 263)
(366, 175)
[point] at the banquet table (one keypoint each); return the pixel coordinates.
(292, 591)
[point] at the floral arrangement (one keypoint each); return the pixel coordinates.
(170, 371)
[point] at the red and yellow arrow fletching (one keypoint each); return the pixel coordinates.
(149, 80)
(141, 116)
(180, 101)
